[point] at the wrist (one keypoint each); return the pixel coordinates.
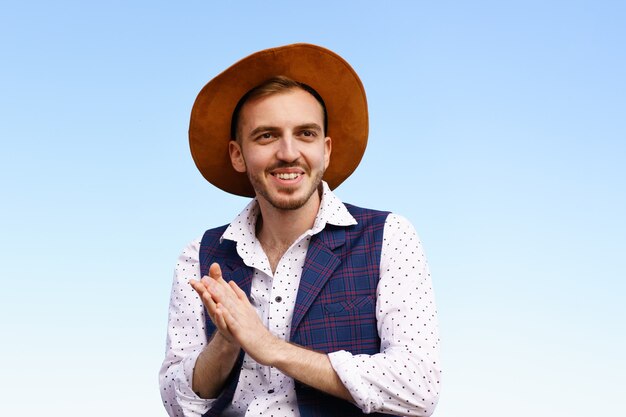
(283, 353)
(270, 350)
(223, 345)
(213, 365)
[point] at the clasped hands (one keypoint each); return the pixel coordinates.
(233, 315)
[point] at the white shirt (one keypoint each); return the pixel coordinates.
(402, 379)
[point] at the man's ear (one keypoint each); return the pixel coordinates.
(236, 156)
(328, 147)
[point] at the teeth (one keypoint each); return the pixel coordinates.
(291, 176)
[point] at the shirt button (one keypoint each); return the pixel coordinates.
(278, 299)
(270, 391)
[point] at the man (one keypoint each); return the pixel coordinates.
(302, 305)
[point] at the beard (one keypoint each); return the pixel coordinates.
(286, 200)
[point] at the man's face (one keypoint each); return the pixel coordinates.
(282, 148)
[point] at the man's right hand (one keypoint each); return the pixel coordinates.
(202, 287)
(216, 361)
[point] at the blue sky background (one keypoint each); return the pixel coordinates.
(498, 128)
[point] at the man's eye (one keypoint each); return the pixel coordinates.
(308, 133)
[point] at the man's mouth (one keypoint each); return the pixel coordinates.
(287, 175)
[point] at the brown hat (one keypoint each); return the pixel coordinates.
(326, 72)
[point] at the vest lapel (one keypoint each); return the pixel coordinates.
(319, 265)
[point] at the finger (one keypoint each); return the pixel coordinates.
(226, 299)
(214, 313)
(209, 303)
(206, 280)
(222, 326)
(238, 291)
(201, 289)
(215, 275)
(225, 296)
(220, 322)
(228, 318)
(215, 272)
(205, 296)
(218, 292)
(198, 286)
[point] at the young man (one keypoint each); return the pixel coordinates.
(302, 305)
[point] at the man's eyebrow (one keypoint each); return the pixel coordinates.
(269, 129)
(260, 129)
(309, 126)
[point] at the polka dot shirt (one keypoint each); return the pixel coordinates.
(402, 379)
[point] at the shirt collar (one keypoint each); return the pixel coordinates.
(332, 211)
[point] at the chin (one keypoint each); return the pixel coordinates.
(289, 203)
(286, 199)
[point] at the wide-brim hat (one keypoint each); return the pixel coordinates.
(323, 70)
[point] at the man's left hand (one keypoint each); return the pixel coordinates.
(236, 318)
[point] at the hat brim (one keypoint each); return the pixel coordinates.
(326, 72)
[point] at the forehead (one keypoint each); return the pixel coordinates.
(291, 106)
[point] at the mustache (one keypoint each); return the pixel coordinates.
(283, 165)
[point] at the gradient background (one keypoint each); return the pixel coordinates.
(497, 127)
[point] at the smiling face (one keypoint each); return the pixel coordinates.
(282, 147)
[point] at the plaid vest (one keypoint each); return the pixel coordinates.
(335, 306)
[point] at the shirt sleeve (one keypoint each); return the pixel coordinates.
(186, 337)
(404, 377)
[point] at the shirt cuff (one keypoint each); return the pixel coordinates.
(187, 399)
(345, 365)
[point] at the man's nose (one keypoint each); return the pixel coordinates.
(287, 149)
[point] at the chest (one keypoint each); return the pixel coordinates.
(274, 289)
(274, 254)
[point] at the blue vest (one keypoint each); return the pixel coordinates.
(335, 306)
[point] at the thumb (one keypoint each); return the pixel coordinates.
(215, 271)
